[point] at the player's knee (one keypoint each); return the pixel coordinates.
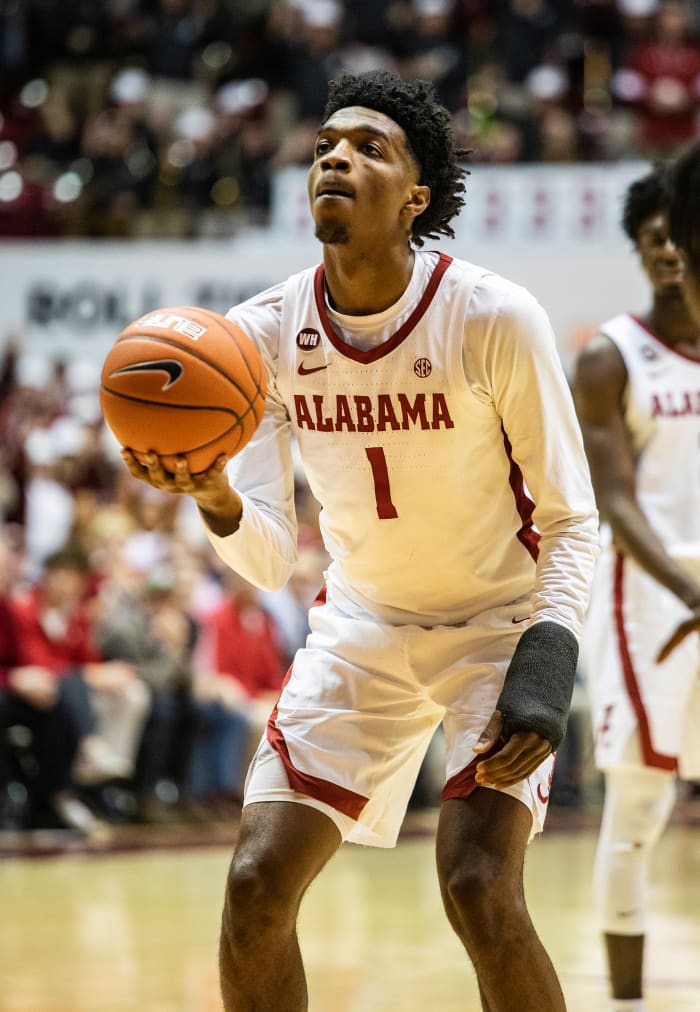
(250, 903)
(637, 808)
(476, 894)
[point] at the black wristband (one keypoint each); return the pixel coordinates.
(539, 683)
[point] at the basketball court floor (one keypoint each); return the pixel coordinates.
(135, 928)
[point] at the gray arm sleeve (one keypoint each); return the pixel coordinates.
(539, 683)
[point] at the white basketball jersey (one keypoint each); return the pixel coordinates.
(415, 427)
(662, 416)
(387, 440)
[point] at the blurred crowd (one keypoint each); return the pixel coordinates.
(136, 671)
(169, 118)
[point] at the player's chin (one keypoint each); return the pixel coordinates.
(332, 233)
(672, 287)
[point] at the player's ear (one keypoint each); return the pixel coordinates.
(418, 200)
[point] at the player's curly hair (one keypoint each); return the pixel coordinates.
(645, 197)
(428, 129)
(684, 205)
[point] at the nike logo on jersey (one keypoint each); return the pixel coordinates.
(516, 620)
(169, 366)
(305, 371)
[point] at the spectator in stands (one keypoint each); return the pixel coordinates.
(316, 59)
(175, 55)
(45, 495)
(240, 667)
(527, 33)
(289, 607)
(31, 697)
(123, 171)
(661, 78)
(57, 142)
(147, 622)
(434, 51)
(109, 703)
(144, 624)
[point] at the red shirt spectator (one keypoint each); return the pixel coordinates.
(55, 640)
(662, 79)
(242, 641)
(9, 647)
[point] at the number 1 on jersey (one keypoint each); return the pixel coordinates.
(380, 473)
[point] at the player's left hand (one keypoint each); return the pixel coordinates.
(519, 757)
(688, 626)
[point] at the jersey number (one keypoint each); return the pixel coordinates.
(380, 473)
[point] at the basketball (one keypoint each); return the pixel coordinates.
(183, 381)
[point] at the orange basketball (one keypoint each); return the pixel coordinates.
(183, 381)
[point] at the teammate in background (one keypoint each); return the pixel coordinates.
(684, 220)
(435, 427)
(637, 391)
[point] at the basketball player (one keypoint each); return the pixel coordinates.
(684, 220)
(436, 429)
(637, 390)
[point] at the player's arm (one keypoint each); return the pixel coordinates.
(529, 391)
(247, 504)
(599, 384)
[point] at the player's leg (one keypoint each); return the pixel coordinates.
(281, 848)
(481, 845)
(638, 803)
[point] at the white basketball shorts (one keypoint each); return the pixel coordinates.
(642, 711)
(360, 705)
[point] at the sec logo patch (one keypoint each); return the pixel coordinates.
(422, 367)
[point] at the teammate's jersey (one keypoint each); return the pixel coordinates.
(440, 439)
(662, 418)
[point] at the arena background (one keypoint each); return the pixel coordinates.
(154, 153)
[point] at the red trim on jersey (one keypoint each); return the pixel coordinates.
(462, 784)
(527, 535)
(340, 798)
(320, 597)
(373, 354)
(651, 757)
(669, 347)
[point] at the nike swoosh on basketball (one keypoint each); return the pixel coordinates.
(172, 368)
(304, 371)
(516, 620)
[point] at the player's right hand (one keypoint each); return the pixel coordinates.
(210, 489)
(690, 625)
(179, 481)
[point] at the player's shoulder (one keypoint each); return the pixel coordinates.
(492, 294)
(602, 361)
(621, 327)
(269, 301)
(616, 340)
(265, 301)
(260, 316)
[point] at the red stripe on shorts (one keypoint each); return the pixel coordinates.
(651, 756)
(462, 784)
(340, 798)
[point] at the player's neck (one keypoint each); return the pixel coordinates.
(673, 325)
(360, 284)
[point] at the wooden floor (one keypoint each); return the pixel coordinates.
(137, 929)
